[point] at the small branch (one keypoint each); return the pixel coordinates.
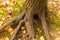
(16, 30)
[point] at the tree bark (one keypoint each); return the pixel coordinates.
(29, 16)
(38, 6)
(29, 8)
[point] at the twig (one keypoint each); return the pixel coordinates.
(16, 30)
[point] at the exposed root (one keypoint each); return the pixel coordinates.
(29, 24)
(16, 30)
(45, 26)
(8, 23)
(15, 18)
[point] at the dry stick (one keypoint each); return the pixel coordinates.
(8, 23)
(16, 30)
(45, 27)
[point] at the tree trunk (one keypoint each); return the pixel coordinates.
(39, 7)
(29, 8)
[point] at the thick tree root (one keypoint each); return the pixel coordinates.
(45, 26)
(29, 26)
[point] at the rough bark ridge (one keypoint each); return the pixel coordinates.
(28, 10)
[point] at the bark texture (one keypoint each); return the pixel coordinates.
(39, 7)
(28, 10)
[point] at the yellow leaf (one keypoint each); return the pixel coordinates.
(42, 37)
(10, 29)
